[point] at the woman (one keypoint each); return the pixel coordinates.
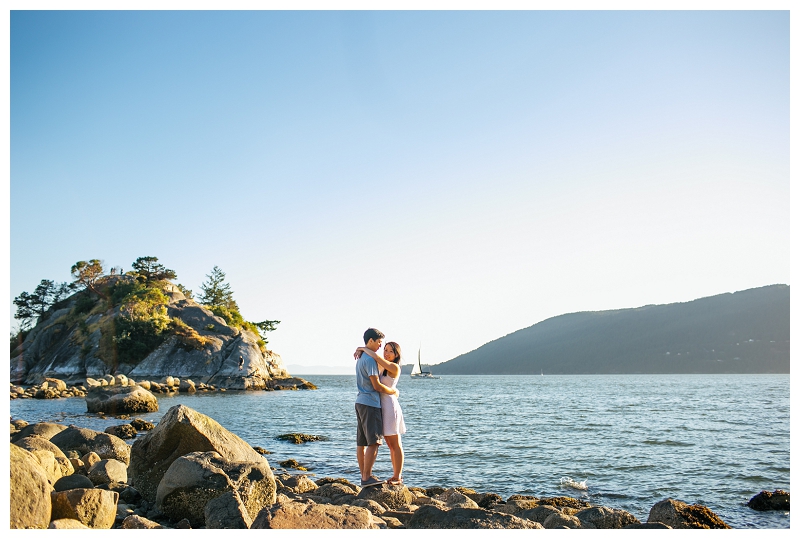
(393, 424)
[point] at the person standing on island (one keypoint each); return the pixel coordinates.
(369, 433)
(241, 362)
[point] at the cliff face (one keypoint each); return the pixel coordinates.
(71, 347)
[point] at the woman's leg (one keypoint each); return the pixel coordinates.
(396, 451)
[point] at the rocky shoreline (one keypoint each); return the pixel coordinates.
(188, 471)
(55, 388)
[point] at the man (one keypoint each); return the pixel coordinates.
(369, 434)
(241, 362)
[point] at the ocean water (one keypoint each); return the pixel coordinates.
(630, 440)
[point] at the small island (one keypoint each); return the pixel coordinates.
(142, 325)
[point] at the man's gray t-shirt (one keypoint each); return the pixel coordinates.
(366, 367)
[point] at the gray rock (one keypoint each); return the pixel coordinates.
(70, 482)
(299, 484)
(227, 512)
(108, 471)
(45, 430)
(107, 446)
(680, 515)
(182, 431)
(391, 496)
(117, 399)
(197, 478)
(138, 522)
(333, 490)
(67, 524)
(453, 498)
(305, 515)
(36, 442)
(539, 513)
(124, 432)
(606, 518)
(374, 507)
(431, 517)
(559, 520)
(770, 501)
(48, 463)
(92, 507)
(29, 491)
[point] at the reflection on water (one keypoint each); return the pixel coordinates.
(633, 440)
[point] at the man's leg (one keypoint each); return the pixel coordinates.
(370, 455)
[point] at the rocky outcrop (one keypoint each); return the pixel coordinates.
(107, 446)
(606, 518)
(391, 496)
(309, 515)
(770, 501)
(30, 491)
(95, 508)
(36, 442)
(430, 517)
(44, 429)
(117, 400)
(182, 431)
(680, 515)
(67, 346)
(195, 479)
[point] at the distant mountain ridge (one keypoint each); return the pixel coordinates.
(740, 332)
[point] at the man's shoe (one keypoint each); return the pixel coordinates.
(371, 482)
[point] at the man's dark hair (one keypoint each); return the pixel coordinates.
(374, 334)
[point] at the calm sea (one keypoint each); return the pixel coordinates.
(716, 440)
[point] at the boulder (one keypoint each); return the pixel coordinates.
(141, 424)
(559, 520)
(193, 480)
(454, 498)
(516, 506)
(67, 524)
(770, 501)
(680, 515)
(145, 384)
(107, 446)
(121, 380)
(332, 490)
(48, 463)
(54, 383)
(227, 512)
(91, 382)
(374, 507)
(124, 432)
(431, 517)
(116, 400)
(108, 471)
(539, 513)
(29, 491)
(70, 482)
(391, 496)
(187, 386)
(294, 515)
(93, 507)
(301, 483)
(182, 431)
(137, 522)
(45, 430)
(90, 459)
(606, 518)
(36, 442)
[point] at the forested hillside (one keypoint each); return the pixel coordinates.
(741, 332)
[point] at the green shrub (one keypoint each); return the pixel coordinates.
(187, 336)
(231, 316)
(84, 304)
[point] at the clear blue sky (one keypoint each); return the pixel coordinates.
(447, 177)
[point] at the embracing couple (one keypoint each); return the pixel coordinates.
(377, 410)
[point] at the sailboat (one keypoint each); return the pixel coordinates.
(425, 375)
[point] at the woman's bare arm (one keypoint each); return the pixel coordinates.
(381, 388)
(393, 368)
